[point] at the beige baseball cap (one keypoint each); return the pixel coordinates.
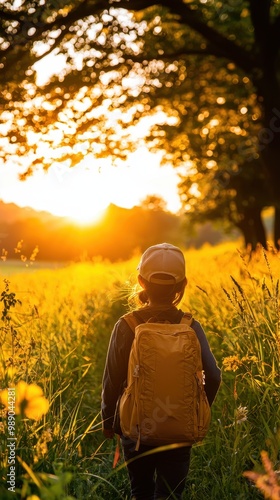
(163, 258)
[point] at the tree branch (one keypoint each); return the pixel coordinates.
(220, 45)
(230, 50)
(41, 27)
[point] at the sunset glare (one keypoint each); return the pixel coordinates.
(84, 192)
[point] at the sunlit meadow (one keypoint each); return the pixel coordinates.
(55, 327)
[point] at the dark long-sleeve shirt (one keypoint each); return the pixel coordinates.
(115, 371)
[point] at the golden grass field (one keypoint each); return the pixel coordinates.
(55, 328)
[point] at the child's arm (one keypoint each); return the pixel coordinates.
(115, 373)
(211, 370)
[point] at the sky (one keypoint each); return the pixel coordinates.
(84, 191)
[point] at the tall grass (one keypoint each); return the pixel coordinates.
(243, 328)
(55, 334)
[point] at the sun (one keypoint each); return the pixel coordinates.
(83, 217)
(81, 195)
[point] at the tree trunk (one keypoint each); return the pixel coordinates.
(246, 232)
(266, 32)
(277, 227)
(270, 156)
(252, 228)
(260, 230)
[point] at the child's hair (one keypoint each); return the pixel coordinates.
(162, 294)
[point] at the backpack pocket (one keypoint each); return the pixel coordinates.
(128, 413)
(203, 408)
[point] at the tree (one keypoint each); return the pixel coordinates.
(155, 203)
(208, 74)
(236, 198)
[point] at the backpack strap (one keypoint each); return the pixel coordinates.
(187, 319)
(131, 320)
(134, 320)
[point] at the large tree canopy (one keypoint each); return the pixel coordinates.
(202, 77)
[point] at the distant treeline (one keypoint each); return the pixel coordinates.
(118, 235)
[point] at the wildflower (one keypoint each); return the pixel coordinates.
(249, 359)
(4, 254)
(241, 414)
(34, 254)
(231, 363)
(47, 435)
(254, 359)
(266, 482)
(19, 247)
(41, 446)
(29, 400)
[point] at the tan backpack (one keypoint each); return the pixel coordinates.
(164, 401)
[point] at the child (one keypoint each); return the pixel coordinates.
(163, 281)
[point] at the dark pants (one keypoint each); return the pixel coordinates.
(159, 475)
